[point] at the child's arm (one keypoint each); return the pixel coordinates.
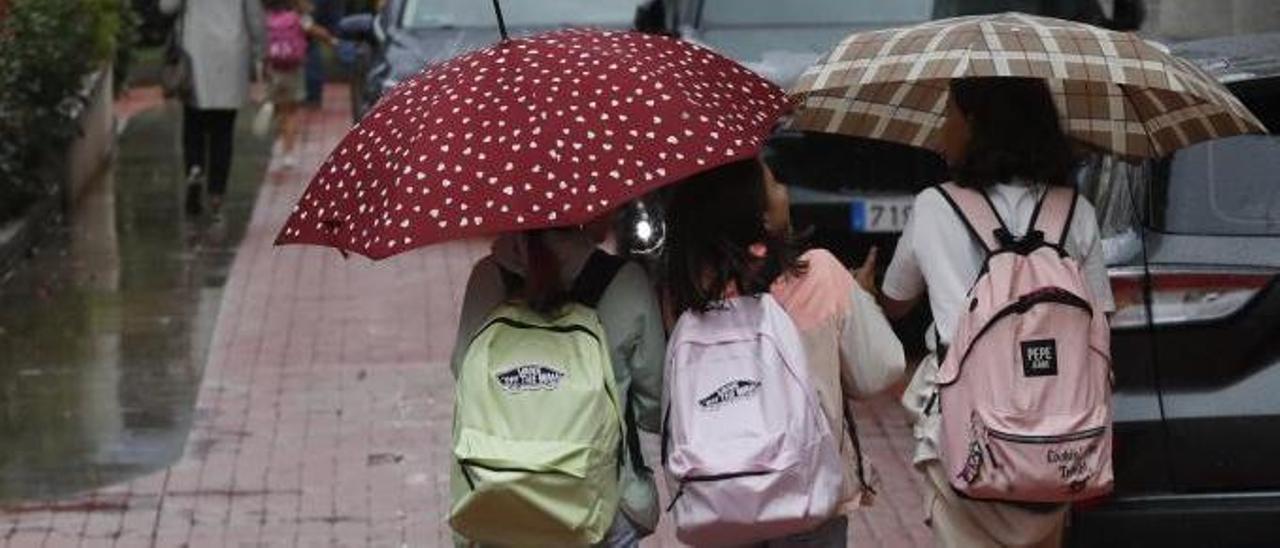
(317, 31)
(320, 33)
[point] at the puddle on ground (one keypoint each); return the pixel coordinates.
(103, 333)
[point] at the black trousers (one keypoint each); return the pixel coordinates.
(206, 143)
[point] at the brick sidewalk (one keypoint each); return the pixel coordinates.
(323, 418)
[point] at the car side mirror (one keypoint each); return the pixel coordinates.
(651, 18)
(1128, 15)
(357, 28)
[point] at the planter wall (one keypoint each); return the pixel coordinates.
(80, 165)
(90, 153)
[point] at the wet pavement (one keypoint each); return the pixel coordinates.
(323, 412)
(103, 334)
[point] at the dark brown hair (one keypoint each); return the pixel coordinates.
(543, 291)
(1013, 133)
(280, 5)
(713, 220)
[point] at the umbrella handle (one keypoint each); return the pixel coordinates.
(502, 24)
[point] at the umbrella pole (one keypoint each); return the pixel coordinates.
(502, 25)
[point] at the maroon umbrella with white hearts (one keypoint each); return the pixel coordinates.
(551, 130)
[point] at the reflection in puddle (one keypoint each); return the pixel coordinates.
(103, 333)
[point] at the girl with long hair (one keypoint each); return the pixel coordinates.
(730, 235)
(1001, 136)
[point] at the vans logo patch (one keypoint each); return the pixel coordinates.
(1040, 358)
(529, 378)
(728, 393)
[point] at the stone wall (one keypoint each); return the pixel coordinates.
(1191, 19)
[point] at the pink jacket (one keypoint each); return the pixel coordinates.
(851, 348)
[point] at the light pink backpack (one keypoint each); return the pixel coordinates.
(748, 453)
(1025, 388)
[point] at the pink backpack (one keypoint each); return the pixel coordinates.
(748, 453)
(1025, 388)
(286, 40)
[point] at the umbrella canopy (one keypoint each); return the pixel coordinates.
(546, 131)
(1113, 90)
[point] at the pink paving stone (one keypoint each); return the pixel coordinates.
(101, 524)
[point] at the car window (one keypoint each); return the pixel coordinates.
(518, 13)
(1117, 191)
(1222, 187)
(720, 13)
(1076, 10)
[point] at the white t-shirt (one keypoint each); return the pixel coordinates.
(937, 252)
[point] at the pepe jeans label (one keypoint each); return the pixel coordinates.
(1040, 358)
(529, 378)
(729, 392)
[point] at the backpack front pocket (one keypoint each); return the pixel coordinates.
(542, 492)
(1055, 467)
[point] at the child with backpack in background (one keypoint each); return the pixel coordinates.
(558, 361)
(288, 23)
(771, 345)
(1011, 411)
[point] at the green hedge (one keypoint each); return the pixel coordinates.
(46, 49)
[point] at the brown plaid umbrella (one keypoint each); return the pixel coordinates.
(1114, 90)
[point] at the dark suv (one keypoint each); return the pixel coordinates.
(1193, 243)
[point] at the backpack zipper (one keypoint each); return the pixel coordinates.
(464, 463)
(712, 477)
(523, 325)
(1053, 295)
(722, 477)
(1023, 438)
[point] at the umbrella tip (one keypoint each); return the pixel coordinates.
(502, 24)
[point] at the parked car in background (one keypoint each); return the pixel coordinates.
(1126, 15)
(407, 35)
(853, 193)
(1193, 246)
(858, 198)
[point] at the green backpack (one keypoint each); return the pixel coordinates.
(538, 424)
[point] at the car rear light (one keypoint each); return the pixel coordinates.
(1183, 296)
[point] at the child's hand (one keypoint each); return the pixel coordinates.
(865, 274)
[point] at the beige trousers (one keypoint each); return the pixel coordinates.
(961, 523)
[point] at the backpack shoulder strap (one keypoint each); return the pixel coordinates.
(599, 271)
(1053, 214)
(867, 489)
(511, 281)
(977, 213)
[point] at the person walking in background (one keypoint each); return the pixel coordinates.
(327, 14)
(730, 235)
(546, 270)
(289, 24)
(1001, 137)
(224, 39)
